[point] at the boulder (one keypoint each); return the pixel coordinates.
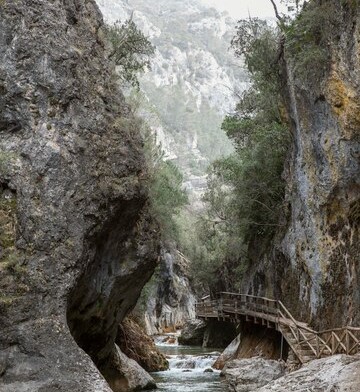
(193, 333)
(338, 373)
(137, 345)
(245, 375)
(219, 334)
(133, 378)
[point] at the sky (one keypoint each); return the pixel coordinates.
(241, 8)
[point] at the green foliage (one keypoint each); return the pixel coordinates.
(164, 179)
(245, 190)
(257, 42)
(131, 50)
(167, 196)
(308, 38)
(7, 222)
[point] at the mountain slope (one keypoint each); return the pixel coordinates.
(193, 78)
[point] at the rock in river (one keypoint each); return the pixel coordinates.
(245, 375)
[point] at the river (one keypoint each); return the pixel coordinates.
(187, 371)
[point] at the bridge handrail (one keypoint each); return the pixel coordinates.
(280, 306)
(248, 296)
(350, 328)
(345, 339)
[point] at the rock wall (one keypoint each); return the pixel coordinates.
(137, 345)
(76, 241)
(314, 265)
(171, 301)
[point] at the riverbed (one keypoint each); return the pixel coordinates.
(190, 370)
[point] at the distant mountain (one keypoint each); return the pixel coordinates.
(194, 78)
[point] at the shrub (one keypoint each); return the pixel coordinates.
(131, 50)
(308, 38)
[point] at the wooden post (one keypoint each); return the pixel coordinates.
(317, 346)
(347, 341)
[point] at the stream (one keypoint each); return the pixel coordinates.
(187, 371)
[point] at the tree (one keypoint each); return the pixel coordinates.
(245, 190)
(131, 50)
(167, 197)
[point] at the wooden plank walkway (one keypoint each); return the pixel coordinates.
(306, 343)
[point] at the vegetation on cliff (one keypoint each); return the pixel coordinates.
(132, 51)
(294, 69)
(245, 190)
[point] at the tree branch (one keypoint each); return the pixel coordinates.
(278, 17)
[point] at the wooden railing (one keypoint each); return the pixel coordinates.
(344, 340)
(300, 337)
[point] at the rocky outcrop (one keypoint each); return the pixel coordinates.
(216, 334)
(171, 301)
(77, 243)
(261, 341)
(137, 345)
(136, 378)
(336, 373)
(193, 333)
(254, 341)
(339, 373)
(314, 266)
(246, 375)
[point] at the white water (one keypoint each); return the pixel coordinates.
(190, 369)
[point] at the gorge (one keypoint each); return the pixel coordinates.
(229, 170)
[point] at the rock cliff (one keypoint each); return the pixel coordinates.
(171, 301)
(314, 266)
(76, 241)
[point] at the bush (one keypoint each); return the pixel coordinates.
(167, 197)
(131, 50)
(308, 38)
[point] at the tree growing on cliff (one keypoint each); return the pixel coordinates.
(131, 50)
(245, 190)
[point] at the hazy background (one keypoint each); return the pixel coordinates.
(242, 8)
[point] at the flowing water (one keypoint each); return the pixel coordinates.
(190, 370)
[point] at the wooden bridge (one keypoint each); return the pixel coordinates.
(306, 343)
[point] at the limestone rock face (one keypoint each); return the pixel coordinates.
(76, 241)
(322, 241)
(137, 345)
(192, 65)
(339, 373)
(135, 377)
(246, 375)
(193, 333)
(314, 268)
(171, 301)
